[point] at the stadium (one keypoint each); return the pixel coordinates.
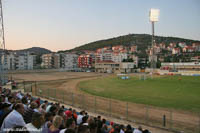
(155, 102)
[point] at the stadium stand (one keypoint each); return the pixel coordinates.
(25, 114)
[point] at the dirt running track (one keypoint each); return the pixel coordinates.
(136, 112)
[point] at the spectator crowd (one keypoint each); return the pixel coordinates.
(22, 113)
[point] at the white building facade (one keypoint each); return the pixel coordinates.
(69, 61)
(23, 61)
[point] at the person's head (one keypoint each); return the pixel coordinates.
(90, 119)
(43, 106)
(46, 102)
(74, 111)
(4, 106)
(99, 117)
(19, 107)
(121, 127)
(128, 127)
(57, 121)
(37, 119)
(82, 112)
(49, 116)
(53, 109)
(70, 131)
(140, 128)
(83, 129)
(11, 99)
(104, 121)
(61, 112)
(33, 105)
(24, 100)
(70, 123)
(2, 98)
(84, 119)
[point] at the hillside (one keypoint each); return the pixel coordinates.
(141, 40)
(35, 50)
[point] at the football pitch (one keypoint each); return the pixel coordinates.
(175, 92)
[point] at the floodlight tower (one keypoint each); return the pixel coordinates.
(2, 47)
(153, 16)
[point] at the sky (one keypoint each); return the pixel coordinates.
(66, 24)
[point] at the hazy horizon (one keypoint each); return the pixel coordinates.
(61, 25)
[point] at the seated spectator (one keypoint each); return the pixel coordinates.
(84, 120)
(42, 108)
(68, 113)
(104, 129)
(74, 115)
(19, 95)
(11, 100)
(53, 109)
(46, 102)
(25, 103)
(48, 107)
(4, 108)
(122, 129)
(116, 129)
(19, 129)
(138, 130)
(29, 112)
(129, 129)
(79, 118)
(5, 111)
(92, 125)
(14, 118)
(70, 124)
(54, 128)
(99, 124)
(61, 113)
(112, 127)
(83, 129)
(48, 122)
(36, 123)
(38, 102)
(2, 99)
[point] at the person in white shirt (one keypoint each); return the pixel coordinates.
(48, 107)
(14, 118)
(79, 118)
(37, 122)
(19, 95)
(138, 130)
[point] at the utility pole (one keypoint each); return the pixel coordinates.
(2, 48)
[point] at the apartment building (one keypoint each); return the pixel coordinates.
(50, 61)
(114, 67)
(69, 61)
(85, 61)
(22, 61)
(119, 57)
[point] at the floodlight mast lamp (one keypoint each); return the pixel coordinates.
(153, 16)
(2, 46)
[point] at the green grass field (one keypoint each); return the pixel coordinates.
(177, 92)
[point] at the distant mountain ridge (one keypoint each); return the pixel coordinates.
(35, 50)
(141, 40)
